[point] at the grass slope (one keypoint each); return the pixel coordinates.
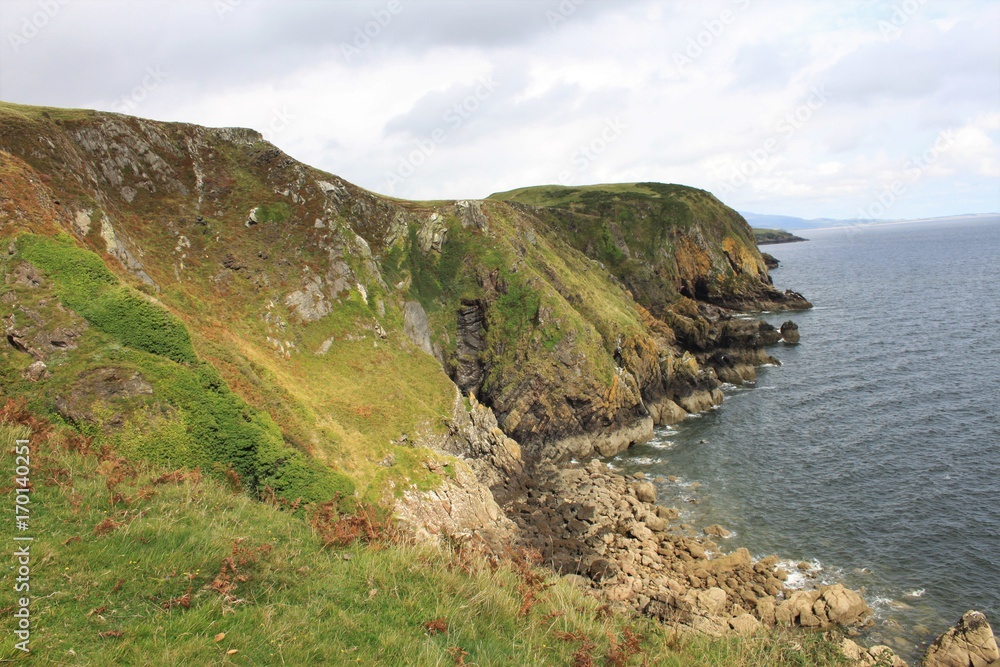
(135, 565)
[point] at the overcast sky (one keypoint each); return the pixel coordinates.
(871, 108)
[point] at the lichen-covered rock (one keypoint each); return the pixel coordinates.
(970, 643)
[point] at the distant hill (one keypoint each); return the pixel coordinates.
(767, 221)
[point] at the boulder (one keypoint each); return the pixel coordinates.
(36, 371)
(970, 643)
(645, 491)
(853, 652)
(790, 332)
(883, 655)
(843, 606)
(765, 610)
(655, 523)
(717, 531)
(734, 562)
(745, 624)
(712, 601)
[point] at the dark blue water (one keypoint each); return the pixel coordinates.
(874, 450)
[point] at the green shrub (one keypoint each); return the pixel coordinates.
(85, 285)
(207, 425)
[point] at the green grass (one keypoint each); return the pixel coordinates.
(122, 572)
(191, 417)
(35, 113)
(277, 212)
(85, 285)
(562, 195)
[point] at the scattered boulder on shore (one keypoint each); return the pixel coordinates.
(970, 643)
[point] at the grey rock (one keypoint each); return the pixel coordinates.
(416, 326)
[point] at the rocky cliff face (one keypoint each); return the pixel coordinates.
(341, 321)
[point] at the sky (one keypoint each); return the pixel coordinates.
(883, 109)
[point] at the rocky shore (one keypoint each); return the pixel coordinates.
(607, 533)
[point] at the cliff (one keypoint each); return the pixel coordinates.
(193, 298)
(339, 322)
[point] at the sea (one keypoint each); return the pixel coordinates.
(872, 453)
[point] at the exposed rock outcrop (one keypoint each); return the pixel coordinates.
(970, 643)
(465, 504)
(459, 507)
(416, 327)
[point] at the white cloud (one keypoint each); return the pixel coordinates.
(280, 67)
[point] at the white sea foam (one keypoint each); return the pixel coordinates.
(661, 444)
(798, 579)
(645, 460)
(918, 593)
(880, 603)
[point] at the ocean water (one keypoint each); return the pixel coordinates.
(873, 451)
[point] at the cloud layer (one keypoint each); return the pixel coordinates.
(814, 109)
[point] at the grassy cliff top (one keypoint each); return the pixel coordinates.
(565, 196)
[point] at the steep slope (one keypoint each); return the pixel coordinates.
(664, 241)
(194, 298)
(334, 324)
